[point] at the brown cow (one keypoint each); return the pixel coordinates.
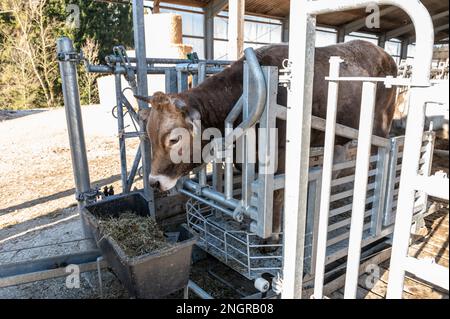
(211, 101)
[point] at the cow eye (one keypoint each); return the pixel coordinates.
(175, 140)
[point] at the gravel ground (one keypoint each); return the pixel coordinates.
(37, 189)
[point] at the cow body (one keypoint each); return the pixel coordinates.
(214, 98)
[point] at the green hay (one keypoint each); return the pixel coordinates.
(136, 235)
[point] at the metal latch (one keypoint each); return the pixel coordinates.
(285, 76)
(70, 56)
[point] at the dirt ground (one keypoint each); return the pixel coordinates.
(37, 204)
(37, 188)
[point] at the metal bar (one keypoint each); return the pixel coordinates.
(410, 165)
(133, 170)
(201, 72)
(248, 141)
(46, 268)
(345, 131)
(428, 271)
(268, 157)
(105, 69)
(360, 187)
(182, 81)
(198, 291)
(259, 94)
(171, 81)
(202, 177)
(142, 90)
(207, 202)
(80, 167)
(381, 183)
(388, 212)
(327, 170)
(301, 56)
(414, 9)
(153, 61)
(121, 131)
(232, 116)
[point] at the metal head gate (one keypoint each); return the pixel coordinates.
(301, 56)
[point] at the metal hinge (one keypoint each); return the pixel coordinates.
(285, 76)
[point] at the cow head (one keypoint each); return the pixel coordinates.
(171, 127)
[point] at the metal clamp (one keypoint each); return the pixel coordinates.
(70, 56)
(87, 196)
(277, 284)
(238, 213)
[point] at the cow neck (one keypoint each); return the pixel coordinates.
(216, 96)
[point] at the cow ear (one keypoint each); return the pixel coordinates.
(144, 114)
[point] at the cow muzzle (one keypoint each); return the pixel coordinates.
(161, 182)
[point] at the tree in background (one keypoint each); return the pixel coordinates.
(29, 76)
(87, 80)
(29, 47)
(109, 24)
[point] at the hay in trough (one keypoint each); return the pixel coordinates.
(136, 235)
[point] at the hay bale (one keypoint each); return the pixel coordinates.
(136, 235)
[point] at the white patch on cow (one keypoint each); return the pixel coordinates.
(165, 182)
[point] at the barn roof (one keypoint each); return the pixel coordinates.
(394, 21)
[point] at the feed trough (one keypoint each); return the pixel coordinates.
(151, 275)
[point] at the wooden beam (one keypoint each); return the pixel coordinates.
(236, 12)
(156, 6)
(217, 6)
(360, 23)
(410, 27)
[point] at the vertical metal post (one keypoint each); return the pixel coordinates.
(405, 203)
(68, 70)
(380, 191)
(360, 187)
(201, 72)
(218, 176)
(248, 142)
(388, 212)
(171, 81)
(267, 153)
(333, 88)
(142, 89)
(209, 33)
(182, 81)
(426, 167)
(285, 30)
(301, 56)
(404, 49)
(382, 40)
(121, 131)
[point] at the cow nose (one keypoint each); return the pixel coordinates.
(154, 183)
